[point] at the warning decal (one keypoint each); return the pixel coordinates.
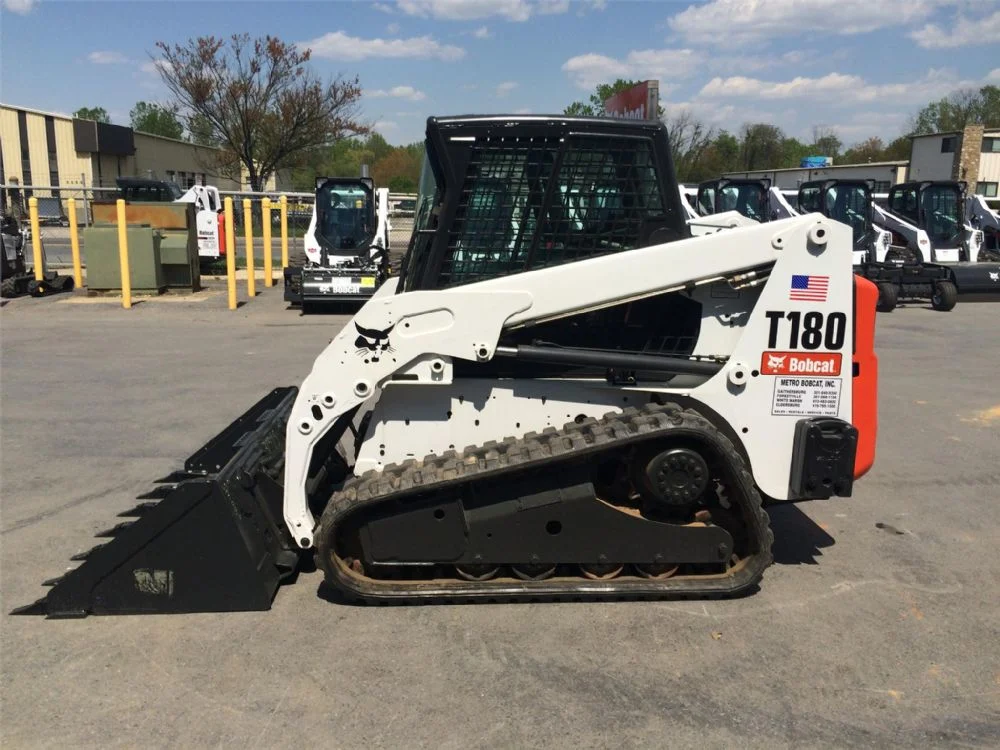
(806, 397)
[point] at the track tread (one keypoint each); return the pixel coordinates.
(496, 459)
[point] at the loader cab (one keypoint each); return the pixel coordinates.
(748, 197)
(505, 194)
(936, 207)
(345, 215)
(846, 201)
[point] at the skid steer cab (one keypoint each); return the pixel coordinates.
(562, 395)
(346, 245)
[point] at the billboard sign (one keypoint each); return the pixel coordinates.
(641, 102)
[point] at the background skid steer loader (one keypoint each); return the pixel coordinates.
(897, 276)
(562, 395)
(346, 245)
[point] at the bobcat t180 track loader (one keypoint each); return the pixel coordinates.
(562, 395)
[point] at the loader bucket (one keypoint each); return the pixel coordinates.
(979, 279)
(209, 538)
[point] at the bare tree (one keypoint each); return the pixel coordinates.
(825, 141)
(689, 139)
(263, 106)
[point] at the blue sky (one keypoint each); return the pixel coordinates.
(861, 67)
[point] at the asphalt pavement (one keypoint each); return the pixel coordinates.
(878, 625)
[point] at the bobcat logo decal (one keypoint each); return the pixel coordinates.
(371, 343)
(776, 363)
(995, 276)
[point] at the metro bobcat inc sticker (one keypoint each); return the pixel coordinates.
(800, 363)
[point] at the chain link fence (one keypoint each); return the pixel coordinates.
(54, 220)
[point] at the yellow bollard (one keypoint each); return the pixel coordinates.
(266, 230)
(230, 253)
(248, 235)
(123, 256)
(284, 232)
(74, 244)
(36, 239)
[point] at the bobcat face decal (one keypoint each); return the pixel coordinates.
(775, 363)
(994, 276)
(371, 343)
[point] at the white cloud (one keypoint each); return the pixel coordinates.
(398, 92)
(21, 7)
(384, 8)
(993, 76)
(837, 89)
(107, 57)
(523, 111)
(392, 28)
(589, 70)
(385, 125)
(965, 33)
(467, 10)
(336, 45)
(727, 22)
(483, 32)
(505, 88)
(472, 10)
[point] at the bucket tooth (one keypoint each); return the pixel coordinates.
(114, 530)
(175, 477)
(37, 608)
(137, 511)
(53, 581)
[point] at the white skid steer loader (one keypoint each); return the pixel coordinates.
(346, 245)
(931, 223)
(562, 395)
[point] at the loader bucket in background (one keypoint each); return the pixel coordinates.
(209, 538)
(980, 280)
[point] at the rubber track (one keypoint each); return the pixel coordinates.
(494, 460)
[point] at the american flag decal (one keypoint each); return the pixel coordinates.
(809, 288)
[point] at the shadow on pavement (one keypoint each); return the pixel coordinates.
(798, 540)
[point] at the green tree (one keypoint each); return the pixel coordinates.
(760, 146)
(199, 131)
(594, 106)
(792, 152)
(98, 114)
(868, 150)
(958, 109)
(898, 150)
(149, 117)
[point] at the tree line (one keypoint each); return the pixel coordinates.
(701, 152)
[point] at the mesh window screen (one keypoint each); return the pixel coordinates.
(513, 216)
